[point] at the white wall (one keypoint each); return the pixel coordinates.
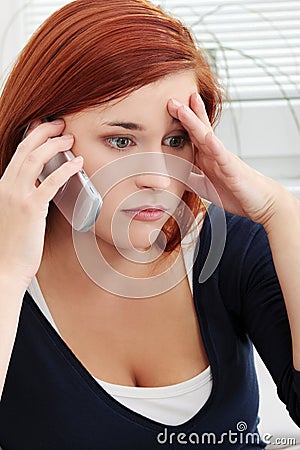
(268, 135)
(274, 417)
(10, 34)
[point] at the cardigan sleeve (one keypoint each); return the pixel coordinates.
(264, 318)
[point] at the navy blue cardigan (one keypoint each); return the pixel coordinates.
(51, 402)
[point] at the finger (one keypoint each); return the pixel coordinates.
(42, 130)
(190, 121)
(197, 105)
(172, 107)
(228, 163)
(49, 187)
(30, 127)
(216, 148)
(35, 161)
(34, 139)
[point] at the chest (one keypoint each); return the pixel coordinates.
(149, 343)
(86, 415)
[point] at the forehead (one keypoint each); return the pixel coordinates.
(152, 98)
(146, 106)
(181, 84)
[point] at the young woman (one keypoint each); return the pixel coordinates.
(108, 340)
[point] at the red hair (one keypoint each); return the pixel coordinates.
(92, 51)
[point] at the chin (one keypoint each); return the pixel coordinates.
(135, 243)
(134, 240)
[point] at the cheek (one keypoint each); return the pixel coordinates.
(183, 175)
(112, 201)
(178, 190)
(111, 222)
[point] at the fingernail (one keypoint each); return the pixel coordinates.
(176, 103)
(186, 109)
(57, 121)
(67, 136)
(77, 160)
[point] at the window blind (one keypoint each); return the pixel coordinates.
(253, 45)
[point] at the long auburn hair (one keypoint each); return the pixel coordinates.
(92, 51)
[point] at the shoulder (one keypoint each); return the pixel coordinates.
(243, 226)
(236, 252)
(240, 234)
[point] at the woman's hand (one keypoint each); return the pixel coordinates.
(228, 181)
(24, 201)
(242, 190)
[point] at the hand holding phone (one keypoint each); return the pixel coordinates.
(78, 199)
(24, 204)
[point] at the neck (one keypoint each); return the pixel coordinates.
(85, 260)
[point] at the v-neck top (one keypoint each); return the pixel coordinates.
(51, 402)
(171, 405)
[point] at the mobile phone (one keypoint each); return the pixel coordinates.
(78, 191)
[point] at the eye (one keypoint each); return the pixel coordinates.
(176, 141)
(120, 143)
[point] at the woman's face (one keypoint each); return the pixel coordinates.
(125, 145)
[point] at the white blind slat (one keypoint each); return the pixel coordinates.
(254, 44)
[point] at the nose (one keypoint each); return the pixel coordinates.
(156, 175)
(153, 181)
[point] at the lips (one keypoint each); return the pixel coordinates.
(147, 208)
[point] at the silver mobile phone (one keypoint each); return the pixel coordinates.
(78, 191)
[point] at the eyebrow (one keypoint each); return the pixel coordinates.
(131, 125)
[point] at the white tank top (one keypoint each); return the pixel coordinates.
(170, 405)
